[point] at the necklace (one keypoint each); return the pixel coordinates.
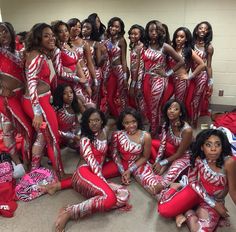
(131, 132)
(209, 161)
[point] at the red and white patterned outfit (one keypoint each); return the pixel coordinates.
(166, 147)
(69, 127)
(116, 92)
(125, 153)
(154, 60)
(136, 70)
(11, 107)
(205, 186)
(89, 181)
(40, 70)
(197, 91)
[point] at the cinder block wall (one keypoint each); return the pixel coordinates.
(221, 14)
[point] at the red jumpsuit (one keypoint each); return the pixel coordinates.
(166, 147)
(125, 153)
(116, 91)
(154, 60)
(89, 181)
(40, 70)
(204, 188)
(11, 107)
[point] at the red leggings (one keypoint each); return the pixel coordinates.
(174, 203)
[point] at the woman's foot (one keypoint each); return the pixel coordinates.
(62, 219)
(51, 188)
(179, 220)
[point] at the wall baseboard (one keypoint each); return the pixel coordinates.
(221, 108)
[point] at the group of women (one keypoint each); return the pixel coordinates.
(73, 68)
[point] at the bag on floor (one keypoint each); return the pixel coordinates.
(29, 187)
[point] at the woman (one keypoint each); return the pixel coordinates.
(171, 153)
(201, 86)
(211, 177)
(91, 36)
(11, 91)
(88, 178)
(40, 77)
(83, 51)
(117, 82)
(155, 70)
(130, 150)
(67, 66)
(137, 40)
(182, 43)
(101, 28)
(67, 110)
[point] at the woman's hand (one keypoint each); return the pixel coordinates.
(156, 168)
(37, 121)
(220, 208)
(125, 178)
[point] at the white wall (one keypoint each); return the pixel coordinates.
(221, 14)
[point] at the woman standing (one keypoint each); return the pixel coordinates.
(155, 69)
(201, 86)
(12, 84)
(117, 83)
(182, 43)
(88, 179)
(40, 76)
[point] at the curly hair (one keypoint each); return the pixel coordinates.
(94, 32)
(160, 31)
(56, 31)
(129, 111)
(201, 139)
(188, 45)
(182, 116)
(142, 33)
(9, 27)
(110, 24)
(85, 129)
(58, 98)
(209, 36)
(34, 37)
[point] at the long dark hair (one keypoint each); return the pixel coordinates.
(182, 116)
(94, 33)
(85, 130)
(188, 45)
(58, 98)
(167, 34)
(201, 139)
(209, 36)
(102, 28)
(9, 27)
(160, 30)
(142, 33)
(73, 22)
(34, 37)
(132, 112)
(122, 26)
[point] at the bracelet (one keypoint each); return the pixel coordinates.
(125, 76)
(133, 167)
(139, 85)
(169, 72)
(76, 78)
(95, 81)
(210, 81)
(164, 162)
(133, 83)
(210, 201)
(86, 84)
(37, 110)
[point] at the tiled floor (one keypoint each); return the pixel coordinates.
(40, 214)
